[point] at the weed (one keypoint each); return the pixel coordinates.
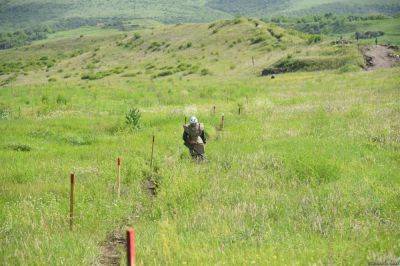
(5, 111)
(132, 118)
(61, 100)
(19, 147)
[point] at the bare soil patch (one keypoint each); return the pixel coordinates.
(380, 56)
(110, 249)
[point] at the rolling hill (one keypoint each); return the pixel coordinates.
(188, 50)
(21, 13)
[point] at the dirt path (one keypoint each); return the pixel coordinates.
(111, 249)
(379, 56)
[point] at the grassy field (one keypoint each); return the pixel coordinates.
(307, 174)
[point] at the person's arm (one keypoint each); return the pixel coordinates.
(185, 136)
(203, 137)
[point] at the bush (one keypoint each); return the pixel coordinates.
(165, 73)
(136, 36)
(257, 39)
(97, 75)
(314, 39)
(132, 118)
(205, 72)
(19, 147)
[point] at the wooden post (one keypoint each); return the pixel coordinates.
(130, 247)
(222, 122)
(239, 111)
(214, 110)
(119, 176)
(152, 152)
(252, 60)
(71, 202)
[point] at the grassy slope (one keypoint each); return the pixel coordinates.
(311, 7)
(308, 174)
(391, 28)
(223, 48)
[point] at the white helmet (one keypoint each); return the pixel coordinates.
(193, 120)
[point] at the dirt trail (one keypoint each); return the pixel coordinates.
(379, 56)
(110, 250)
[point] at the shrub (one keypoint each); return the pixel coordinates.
(314, 39)
(154, 46)
(205, 72)
(132, 118)
(237, 20)
(97, 75)
(164, 73)
(257, 39)
(277, 36)
(19, 147)
(185, 46)
(129, 75)
(136, 36)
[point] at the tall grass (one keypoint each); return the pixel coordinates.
(307, 174)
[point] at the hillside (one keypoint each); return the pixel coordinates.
(217, 49)
(15, 14)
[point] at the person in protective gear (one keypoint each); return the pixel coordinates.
(194, 138)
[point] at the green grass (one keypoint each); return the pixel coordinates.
(307, 174)
(390, 26)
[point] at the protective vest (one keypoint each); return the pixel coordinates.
(194, 132)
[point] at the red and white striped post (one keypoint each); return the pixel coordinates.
(118, 176)
(130, 247)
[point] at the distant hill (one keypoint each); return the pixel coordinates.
(238, 47)
(23, 13)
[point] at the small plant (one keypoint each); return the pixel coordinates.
(45, 99)
(61, 100)
(132, 118)
(136, 36)
(4, 112)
